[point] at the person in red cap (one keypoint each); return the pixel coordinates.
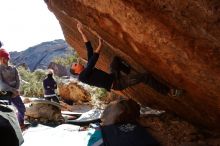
(10, 83)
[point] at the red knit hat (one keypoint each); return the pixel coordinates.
(4, 53)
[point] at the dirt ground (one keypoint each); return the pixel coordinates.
(171, 130)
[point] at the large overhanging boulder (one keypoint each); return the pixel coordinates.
(178, 41)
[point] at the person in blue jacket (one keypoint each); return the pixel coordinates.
(50, 86)
(114, 80)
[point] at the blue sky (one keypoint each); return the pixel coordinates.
(25, 23)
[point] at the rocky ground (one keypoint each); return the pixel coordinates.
(168, 129)
(173, 131)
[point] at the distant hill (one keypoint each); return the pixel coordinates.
(40, 56)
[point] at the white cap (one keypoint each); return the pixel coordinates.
(50, 71)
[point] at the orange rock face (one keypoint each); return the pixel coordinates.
(74, 92)
(178, 41)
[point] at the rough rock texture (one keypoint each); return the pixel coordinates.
(44, 111)
(74, 92)
(170, 130)
(178, 41)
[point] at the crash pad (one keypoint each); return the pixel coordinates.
(65, 134)
(91, 116)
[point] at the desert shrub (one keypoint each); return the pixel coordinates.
(99, 93)
(31, 84)
(39, 74)
(67, 60)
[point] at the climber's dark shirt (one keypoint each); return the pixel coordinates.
(93, 76)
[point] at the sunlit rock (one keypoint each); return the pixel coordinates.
(178, 41)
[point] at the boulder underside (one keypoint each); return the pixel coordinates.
(177, 41)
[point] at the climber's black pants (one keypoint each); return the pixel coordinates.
(117, 65)
(121, 82)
